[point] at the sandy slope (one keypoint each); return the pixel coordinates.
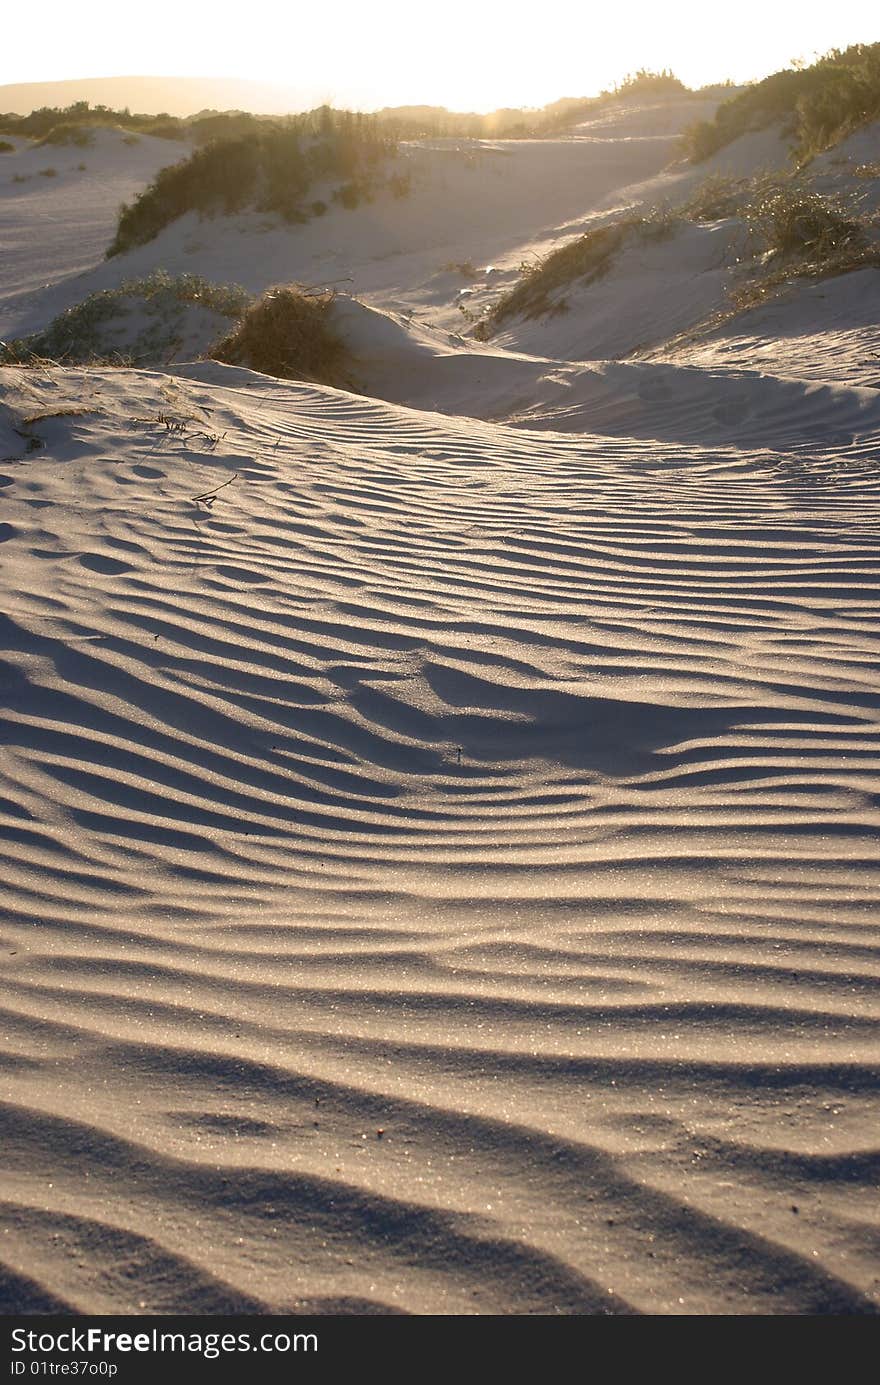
(55, 228)
(439, 830)
(440, 872)
(828, 331)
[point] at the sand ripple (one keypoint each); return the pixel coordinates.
(440, 873)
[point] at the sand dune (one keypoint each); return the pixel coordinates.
(439, 825)
(490, 202)
(53, 229)
(440, 871)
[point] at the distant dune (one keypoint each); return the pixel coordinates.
(176, 95)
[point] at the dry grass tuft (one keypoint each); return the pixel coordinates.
(790, 219)
(287, 333)
(847, 260)
(580, 262)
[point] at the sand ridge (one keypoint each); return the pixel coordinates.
(440, 866)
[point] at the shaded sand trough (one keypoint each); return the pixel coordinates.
(440, 863)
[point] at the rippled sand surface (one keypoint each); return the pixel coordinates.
(440, 868)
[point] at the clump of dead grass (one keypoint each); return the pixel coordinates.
(287, 333)
(790, 219)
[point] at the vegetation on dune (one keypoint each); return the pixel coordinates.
(70, 132)
(581, 261)
(6, 147)
(270, 169)
(800, 234)
(790, 219)
(287, 333)
(643, 85)
(793, 231)
(715, 199)
(83, 333)
(75, 124)
(646, 83)
(830, 266)
(819, 104)
(214, 125)
(783, 213)
(515, 122)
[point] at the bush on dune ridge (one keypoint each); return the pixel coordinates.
(80, 336)
(287, 333)
(643, 85)
(75, 123)
(220, 177)
(820, 104)
(269, 169)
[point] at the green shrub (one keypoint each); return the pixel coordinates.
(80, 116)
(79, 334)
(821, 104)
(6, 147)
(270, 169)
(287, 333)
(230, 300)
(216, 125)
(218, 177)
(646, 83)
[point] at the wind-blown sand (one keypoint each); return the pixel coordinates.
(440, 863)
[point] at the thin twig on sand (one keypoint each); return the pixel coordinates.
(209, 495)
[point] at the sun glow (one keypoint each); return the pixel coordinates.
(465, 56)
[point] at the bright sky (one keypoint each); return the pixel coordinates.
(465, 54)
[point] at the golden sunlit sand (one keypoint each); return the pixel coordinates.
(440, 806)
